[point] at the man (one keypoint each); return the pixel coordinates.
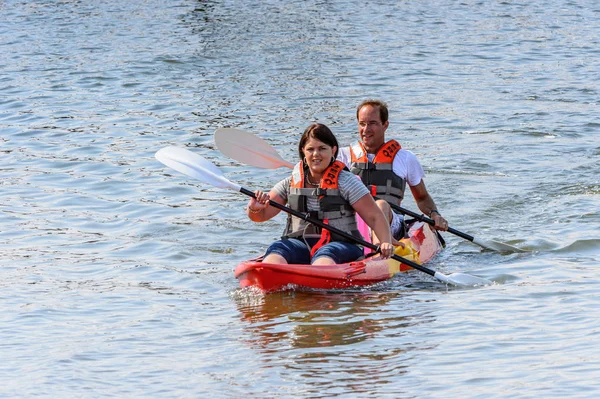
(386, 168)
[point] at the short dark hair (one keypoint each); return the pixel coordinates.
(383, 108)
(320, 132)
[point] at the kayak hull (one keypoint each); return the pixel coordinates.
(421, 245)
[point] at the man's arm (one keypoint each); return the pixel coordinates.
(427, 205)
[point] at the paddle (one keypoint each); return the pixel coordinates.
(198, 167)
(491, 245)
(247, 148)
(252, 150)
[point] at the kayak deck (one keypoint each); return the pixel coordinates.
(421, 245)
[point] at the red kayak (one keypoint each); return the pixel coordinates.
(421, 245)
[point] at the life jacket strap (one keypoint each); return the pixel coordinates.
(325, 239)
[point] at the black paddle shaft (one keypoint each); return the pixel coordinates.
(423, 218)
(350, 237)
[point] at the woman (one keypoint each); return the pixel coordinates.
(324, 188)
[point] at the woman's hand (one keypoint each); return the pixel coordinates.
(258, 209)
(260, 202)
(386, 249)
(397, 243)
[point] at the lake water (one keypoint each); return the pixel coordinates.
(116, 273)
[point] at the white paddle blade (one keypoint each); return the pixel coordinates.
(248, 149)
(496, 246)
(461, 279)
(194, 165)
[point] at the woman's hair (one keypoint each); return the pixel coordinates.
(320, 132)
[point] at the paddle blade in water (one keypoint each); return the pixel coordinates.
(461, 279)
(194, 165)
(496, 246)
(248, 149)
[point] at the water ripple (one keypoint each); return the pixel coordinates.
(117, 272)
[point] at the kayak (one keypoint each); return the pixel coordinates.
(421, 244)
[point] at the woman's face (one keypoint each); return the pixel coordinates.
(318, 155)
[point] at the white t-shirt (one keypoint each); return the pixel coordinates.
(405, 164)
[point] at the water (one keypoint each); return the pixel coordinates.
(116, 272)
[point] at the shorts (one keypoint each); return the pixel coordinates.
(397, 226)
(295, 251)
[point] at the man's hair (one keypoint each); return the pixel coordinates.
(383, 109)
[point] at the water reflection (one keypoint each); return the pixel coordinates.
(363, 337)
(318, 319)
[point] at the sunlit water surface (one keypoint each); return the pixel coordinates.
(116, 273)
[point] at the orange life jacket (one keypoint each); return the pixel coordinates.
(332, 208)
(378, 175)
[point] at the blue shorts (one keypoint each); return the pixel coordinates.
(295, 251)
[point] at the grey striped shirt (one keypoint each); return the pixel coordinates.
(351, 189)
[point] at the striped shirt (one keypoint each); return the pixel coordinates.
(351, 189)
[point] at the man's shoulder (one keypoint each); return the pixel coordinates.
(405, 153)
(344, 155)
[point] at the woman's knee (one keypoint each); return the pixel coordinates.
(385, 208)
(338, 252)
(289, 251)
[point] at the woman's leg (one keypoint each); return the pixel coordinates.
(288, 250)
(337, 252)
(275, 259)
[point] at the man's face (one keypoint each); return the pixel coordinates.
(370, 128)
